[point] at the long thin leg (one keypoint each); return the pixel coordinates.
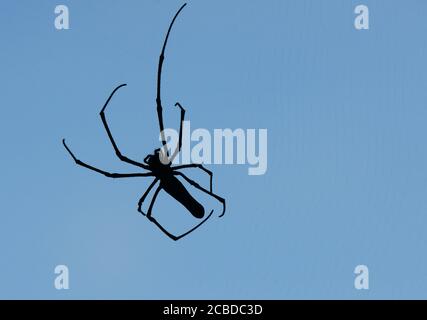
(110, 136)
(159, 80)
(145, 196)
(195, 165)
(105, 173)
(178, 148)
(197, 186)
(150, 208)
(170, 235)
(153, 220)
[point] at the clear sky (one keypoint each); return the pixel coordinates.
(347, 154)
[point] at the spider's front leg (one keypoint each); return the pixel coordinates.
(178, 147)
(110, 135)
(105, 173)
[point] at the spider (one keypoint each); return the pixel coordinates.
(159, 164)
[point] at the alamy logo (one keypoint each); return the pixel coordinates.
(162, 164)
(62, 281)
(224, 146)
(361, 281)
(62, 20)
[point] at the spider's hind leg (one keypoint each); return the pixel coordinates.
(197, 186)
(153, 220)
(144, 196)
(166, 232)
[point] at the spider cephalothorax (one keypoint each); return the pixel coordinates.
(156, 160)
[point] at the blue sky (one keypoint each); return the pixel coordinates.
(347, 172)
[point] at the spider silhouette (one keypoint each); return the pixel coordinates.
(159, 164)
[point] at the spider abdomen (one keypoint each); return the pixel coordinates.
(176, 189)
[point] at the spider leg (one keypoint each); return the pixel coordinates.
(196, 227)
(178, 148)
(159, 80)
(153, 220)
(197, 186)
(195, 165)
(170, 235)
(110, 135)
(145, 196)
(105, 173)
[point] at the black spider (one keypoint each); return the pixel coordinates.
(159, 167)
